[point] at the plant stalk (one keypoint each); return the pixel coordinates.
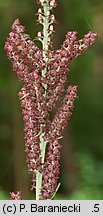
(43, 143)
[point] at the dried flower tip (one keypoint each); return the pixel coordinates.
(52, 3)
(39, 35)
(40, 19)
(52, 17)
(49, 39)
(39, 11)
(16, 27)
(51, 28)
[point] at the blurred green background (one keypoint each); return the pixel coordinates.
(82, 152)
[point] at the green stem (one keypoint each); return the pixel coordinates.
(38, 174)
(38, 184)
(43, 143)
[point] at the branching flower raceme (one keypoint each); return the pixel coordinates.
(44, 74)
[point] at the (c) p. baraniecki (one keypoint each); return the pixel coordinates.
(44, 73)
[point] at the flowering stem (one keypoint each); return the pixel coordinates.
(38, 174)
(45, 30)
(44, 75)
(45, 58)
(45, 38)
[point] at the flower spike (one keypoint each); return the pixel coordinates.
(44, 74)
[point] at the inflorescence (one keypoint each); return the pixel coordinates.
(44, 74)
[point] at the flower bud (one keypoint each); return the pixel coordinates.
(39, 35)
(51, 28)
(52, 3)
(39, 11)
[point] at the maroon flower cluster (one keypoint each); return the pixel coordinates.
(32, 127)
(23, 53)
(51, 170)
(63, 114)
(40, 95)
(57, 74)
(16, 196)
